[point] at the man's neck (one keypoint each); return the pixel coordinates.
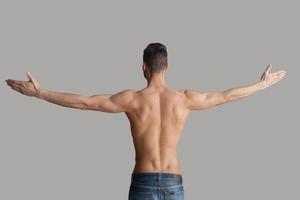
(156, 81)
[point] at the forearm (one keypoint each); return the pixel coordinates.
(63, 99)
(236, 93)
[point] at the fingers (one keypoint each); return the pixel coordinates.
(14, 81)
(16, 87)
(263, 76)
(281, 73)
(35, 83)
(276, 80)
(268, 68)
(266, 72)
(275, 77)
(29, 76)
(266, 75)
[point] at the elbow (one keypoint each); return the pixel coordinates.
(85, 105)
(226, 97)
(82, 107)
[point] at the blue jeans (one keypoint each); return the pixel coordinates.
(156, 186)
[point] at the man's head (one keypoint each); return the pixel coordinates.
(155, 59)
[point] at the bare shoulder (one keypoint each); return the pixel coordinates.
(189, 93)
(124, 96)
(126, 92)
(197, 100)
(182, 92)
(193, 99)
(186, 92)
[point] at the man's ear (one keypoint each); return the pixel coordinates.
(165, 67)
(144, 67)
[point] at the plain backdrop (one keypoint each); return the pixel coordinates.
(248, 149)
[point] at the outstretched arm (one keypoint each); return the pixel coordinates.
(119, 102)
(111, 103)
(203, 100)
(63, 99)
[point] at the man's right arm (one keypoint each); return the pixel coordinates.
(203, 100)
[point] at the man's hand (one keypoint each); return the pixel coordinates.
(28, 88)
(267, 79)
(122, 101)
(203, 100)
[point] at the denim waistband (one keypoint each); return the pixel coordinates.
(156, 176)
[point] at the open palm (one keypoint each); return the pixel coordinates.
(28, 88)
(268, 79)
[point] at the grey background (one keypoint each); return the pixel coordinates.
(247, 149)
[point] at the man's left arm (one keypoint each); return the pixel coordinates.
(111, 103)
(120, 102)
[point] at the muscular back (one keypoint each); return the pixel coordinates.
(156, 126)
(156, 114)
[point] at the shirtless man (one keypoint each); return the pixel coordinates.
(156, 114)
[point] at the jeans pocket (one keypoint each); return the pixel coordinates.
(174, 194)
(140, 195)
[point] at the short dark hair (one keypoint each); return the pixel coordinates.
(155, 56)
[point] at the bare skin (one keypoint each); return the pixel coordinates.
(156, 113)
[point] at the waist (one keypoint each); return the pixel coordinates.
(147, 164)
(156, 179)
